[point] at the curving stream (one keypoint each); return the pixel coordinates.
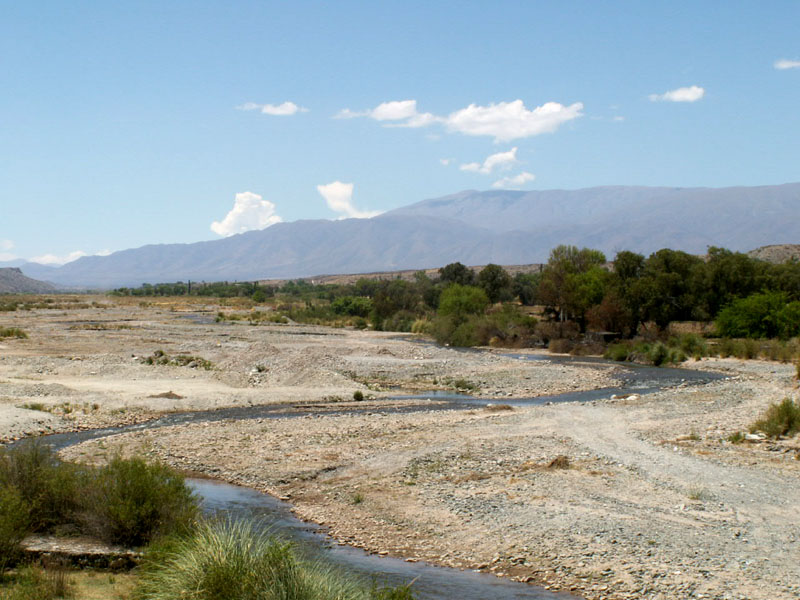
(430, 582)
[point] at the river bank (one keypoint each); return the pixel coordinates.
(655, 503)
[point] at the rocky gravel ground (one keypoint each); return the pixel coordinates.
(633, 497)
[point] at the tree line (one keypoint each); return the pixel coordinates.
(578, 287)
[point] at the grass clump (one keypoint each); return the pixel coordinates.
(234, 560)
(779, 420)
(12, 332)
(34, 583)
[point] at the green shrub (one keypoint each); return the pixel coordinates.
(50, 490)
(14, 519)
(12, 332)
(132, 502)
(233, 560)
(779, 420)
(618, 352)
(358, 396)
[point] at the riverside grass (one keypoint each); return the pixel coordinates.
(224, 559)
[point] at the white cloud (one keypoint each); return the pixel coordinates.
(684, 94)
(785, 63)
(54, 259)
(396, 113)
(445, 162)
(507, 121)
(515, 181)
(339, 197)
(278, 110)
(249, 211)
(503, 121)
(502, 160)
(618, 118)
(6, 244)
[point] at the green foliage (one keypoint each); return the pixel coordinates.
(14, 519)
(259, 296)
(456, 273)
(461, 301)
(358, 396)
(233, 560)
(764, 315)
(656, 354)
(132, 501)
(354, 306)
(497, 284)
(572, 281)
(34, 583)
(51, 490)
(779, 420)
(12, 332)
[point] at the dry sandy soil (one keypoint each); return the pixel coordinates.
(654, 502)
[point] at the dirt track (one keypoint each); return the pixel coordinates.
(655, 504)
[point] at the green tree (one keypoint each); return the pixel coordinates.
(456, 273)
(572, 280)
(496, 282)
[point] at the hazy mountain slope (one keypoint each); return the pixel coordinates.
(639, 218)
(302, 248)
(471, 227)
(12, 281)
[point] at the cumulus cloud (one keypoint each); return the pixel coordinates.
(277, 110)
(785, 63)
(397, 113)
(501, 160)
(514, 181)
(339, 197)
(684, 94)
(503, 121)
(507, 121)
(250, 211)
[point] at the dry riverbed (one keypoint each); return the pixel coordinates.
(646, 500)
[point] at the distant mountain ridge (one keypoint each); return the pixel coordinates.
(505, 227)
(12, 281)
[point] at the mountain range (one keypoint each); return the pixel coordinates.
(473, 227)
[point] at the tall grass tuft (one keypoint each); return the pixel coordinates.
(234, 560)
(34, 583)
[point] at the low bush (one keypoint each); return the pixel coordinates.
(12, 332)
(132, 502)
(14, 520)
(618, 352)
(560, 346)
(51, 490)
(781, 419)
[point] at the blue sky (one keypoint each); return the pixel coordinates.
(132, 123)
